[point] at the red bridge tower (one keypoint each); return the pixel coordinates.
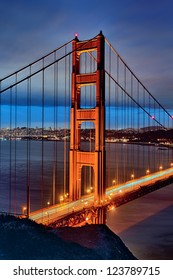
(96, 158)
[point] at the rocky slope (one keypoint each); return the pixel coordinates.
(24, 239)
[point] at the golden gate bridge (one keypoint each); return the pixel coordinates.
(80, 134)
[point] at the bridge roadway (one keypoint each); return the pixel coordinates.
(58, 211)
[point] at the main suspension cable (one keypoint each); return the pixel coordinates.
(43, 68)
(116, 53)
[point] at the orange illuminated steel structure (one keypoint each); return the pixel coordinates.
(96, 158)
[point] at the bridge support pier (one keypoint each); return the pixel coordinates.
(101, 216)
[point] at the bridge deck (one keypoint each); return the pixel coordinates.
(58, 211)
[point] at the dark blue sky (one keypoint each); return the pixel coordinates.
(140, 31)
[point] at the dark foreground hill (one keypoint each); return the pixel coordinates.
(24, 239)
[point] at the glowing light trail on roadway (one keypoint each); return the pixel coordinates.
(57, 211)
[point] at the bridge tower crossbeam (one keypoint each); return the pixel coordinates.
(96, 158)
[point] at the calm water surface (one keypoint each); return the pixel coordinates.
(146, 225)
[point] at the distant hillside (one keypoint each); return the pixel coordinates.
(24, 239)
(142, 135)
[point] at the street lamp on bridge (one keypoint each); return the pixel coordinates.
(24, 210)
(147, 171)
(160, 167)
(113, 182)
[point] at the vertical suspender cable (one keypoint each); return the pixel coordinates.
(161, 152)
(168, 140)
(109, 120)
(15, 145)
(85, 125)
(56, 120)
(138, 127)
(117, 121)
(122, 123)
(68, 120)
(115, 135)
(143, 131)
(10, 165)
(42, 147)
(69, 104)
(119, 125)
(124, 111)
(0, 141)
(149, 125)
(153, 149)
(57, 117)
(90, 137)
(55, 134)
(132, 126)
(65, 128)
(28, 140)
